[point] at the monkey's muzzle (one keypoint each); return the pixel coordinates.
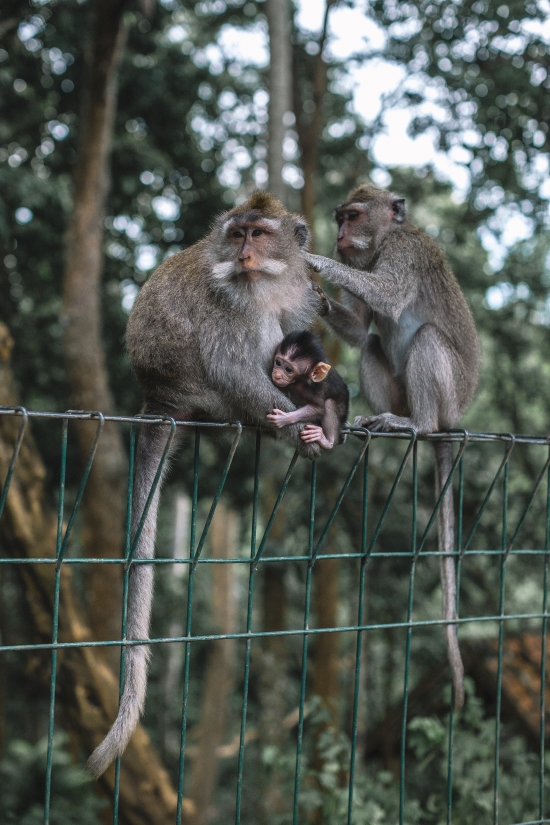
(250, 275)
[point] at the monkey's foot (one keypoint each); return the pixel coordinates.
(384, 423)
(313, 434)
(310, 451)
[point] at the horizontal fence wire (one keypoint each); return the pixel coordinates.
(370, 508)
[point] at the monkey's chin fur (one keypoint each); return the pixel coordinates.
(250, 276)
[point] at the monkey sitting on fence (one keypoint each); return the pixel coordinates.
(419, 369)
(201, 338)
(320, 394)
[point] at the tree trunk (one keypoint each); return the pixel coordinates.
(218, 680)
(280, 92)
(273, 673)
(104, 505)
(309, 125)
(87, 691)
(326, 649)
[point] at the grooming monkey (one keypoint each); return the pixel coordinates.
(319, 392)
(420, 369)
(201, 338)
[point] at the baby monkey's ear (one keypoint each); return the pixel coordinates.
(319, 372)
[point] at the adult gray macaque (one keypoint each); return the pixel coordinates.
(420, 369)
(201, 339)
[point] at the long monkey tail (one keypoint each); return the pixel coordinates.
(150, 447)
(446, 522)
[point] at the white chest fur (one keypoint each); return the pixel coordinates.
(396, 338)
(270, 338)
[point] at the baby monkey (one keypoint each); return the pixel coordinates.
(319, 393)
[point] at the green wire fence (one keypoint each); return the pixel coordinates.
(382, 486)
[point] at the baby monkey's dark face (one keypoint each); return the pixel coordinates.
(289, 367)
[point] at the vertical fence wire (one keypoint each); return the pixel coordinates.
(247, 655)
(360, 621)
(414, 554)
(502, 592)
(127, 548)
(59, 541)
(188, 621)
(544, 630)
(305, 644)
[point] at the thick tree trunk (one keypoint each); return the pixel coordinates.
(274, 689)
(218, 680)
(87, 691)
(104, 504)
(280, 91)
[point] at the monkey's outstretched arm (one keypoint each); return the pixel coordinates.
(257, 399)
(282, 419)
(385, 291)
(347, 325)
(344, 322)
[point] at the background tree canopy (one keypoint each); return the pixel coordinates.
(172, 106)
(190, 137)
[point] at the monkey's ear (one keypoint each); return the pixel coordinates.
(398, 209)
(301, 233)
(319, 372)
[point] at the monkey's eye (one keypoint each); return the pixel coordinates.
(256, 232)
(288, 370)
(352, 216)
(278, 362)
(237, 233)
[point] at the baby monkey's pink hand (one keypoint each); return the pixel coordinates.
(279, 418)
(312, 434)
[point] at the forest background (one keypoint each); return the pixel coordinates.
(124, 128)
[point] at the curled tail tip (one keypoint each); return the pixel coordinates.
(130, 709)
(458, 683)
(115, 742)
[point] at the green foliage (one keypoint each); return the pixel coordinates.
(486, 65)
(376, 791)
(473, 769)
(22, 786)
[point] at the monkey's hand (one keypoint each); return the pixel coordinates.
(313, 434)
(326, 306)
(280, 419)
(307, 449)
(316, 262)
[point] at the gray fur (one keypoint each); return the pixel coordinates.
(201, 339)
(420, 368)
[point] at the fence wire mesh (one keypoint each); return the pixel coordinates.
(370, 508)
